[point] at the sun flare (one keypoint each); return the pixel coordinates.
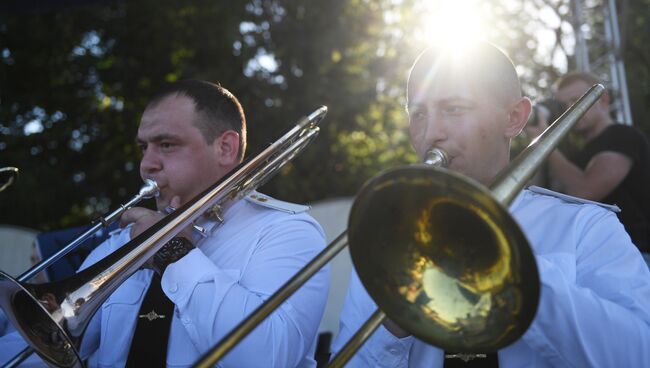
(454, 23)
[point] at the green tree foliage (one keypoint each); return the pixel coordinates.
(74, 83)
(75, 77)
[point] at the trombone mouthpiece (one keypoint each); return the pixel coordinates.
(149, 189)
(436, 157)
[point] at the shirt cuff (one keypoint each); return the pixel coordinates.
(181, 277)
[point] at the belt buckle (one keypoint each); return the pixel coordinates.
(465, 357)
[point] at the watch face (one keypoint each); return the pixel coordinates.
(171, 252)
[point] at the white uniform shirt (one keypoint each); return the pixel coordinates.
(215, 287)
(594, 308)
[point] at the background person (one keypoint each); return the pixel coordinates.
(612, 167)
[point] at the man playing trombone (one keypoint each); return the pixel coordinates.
(594, 306)
(204, 281)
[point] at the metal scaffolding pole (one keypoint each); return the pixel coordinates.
(598, 50)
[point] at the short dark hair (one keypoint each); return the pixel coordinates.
(218, 108)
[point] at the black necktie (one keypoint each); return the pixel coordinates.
(149, 345)
(460, 360)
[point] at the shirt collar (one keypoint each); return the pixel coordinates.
(517, 202)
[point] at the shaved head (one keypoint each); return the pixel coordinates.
(468, 103)
(482, 65)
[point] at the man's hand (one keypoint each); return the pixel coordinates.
(143, 218)
(173, 250)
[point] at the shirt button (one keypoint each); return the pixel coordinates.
(173, 288)
(186, 320)
(394, 351)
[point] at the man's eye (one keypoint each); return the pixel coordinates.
(166, 145)
(454, 109)
(142, 146)
(418, 114)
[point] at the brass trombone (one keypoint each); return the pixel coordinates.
(52, 317)
(148, 190)
(462, 292)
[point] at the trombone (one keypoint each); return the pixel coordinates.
(148, 190)
(53, 316)
(449, 288)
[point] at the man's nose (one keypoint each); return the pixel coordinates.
(150, 161)
(435, 130)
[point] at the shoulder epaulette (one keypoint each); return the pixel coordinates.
(270, 202)
(572, 199)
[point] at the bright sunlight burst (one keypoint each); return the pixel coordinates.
(454, 23)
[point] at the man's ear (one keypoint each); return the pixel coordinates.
(227, 148)
(517, 117)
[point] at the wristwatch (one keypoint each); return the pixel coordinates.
(171, 252)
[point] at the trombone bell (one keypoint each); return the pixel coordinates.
(443, 259)
(39, 315)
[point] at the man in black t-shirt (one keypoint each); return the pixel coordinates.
(633, 191)
(612, 167)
